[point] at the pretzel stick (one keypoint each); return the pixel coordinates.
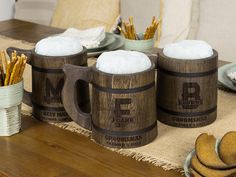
(122, 31)
(129, 30)
(125, 29)
(22, 69)
(124, 24)
(153, 31)
(146, 33)
(14, 71)
(153, 27)
(154, 19)
(9, 68)
(1, 70)
(133, 32)
(131, 20)
(156, 25)
(150, 32)
(14, 60)
(131, 27)
(14, 56)
(4, 61)
(16, 76)
(8, 73)
(1, 81)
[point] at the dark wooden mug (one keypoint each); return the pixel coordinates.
(47, 84)
(123, 105)
(187, 91)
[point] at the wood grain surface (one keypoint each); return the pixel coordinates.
(187, 91)
(43, 150)
(27, 31)
(127, 118)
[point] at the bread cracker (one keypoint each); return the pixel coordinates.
(227, 148)
(209, 172)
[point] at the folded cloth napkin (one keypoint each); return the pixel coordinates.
(89, 38)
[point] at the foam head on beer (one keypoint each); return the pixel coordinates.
(188, 49)
(123, 62)
(58, 46)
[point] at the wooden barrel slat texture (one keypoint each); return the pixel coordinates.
(187, 91)
(123, 108)
(47, 84)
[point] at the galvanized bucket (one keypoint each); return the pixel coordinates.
(10, 108)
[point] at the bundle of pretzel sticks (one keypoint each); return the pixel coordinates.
(11, 70)
(129, 31)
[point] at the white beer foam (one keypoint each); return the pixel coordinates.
(58, 46)
(123, 62)
(188, 49)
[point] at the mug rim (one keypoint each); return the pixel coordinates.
(215, 54)
(68, 56)
(94, 68)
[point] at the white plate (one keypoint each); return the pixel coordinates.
(119, 43)
(109, 40)
(224, 79)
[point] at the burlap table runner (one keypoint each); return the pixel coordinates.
(172, 145)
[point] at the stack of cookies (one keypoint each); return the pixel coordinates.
(213, 158)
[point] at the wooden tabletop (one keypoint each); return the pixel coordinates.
(43, 150)
(27, 31)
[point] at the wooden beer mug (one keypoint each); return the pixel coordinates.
(187, 91)
(123, 105)
(47, 84)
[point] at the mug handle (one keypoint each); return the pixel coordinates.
(69, 98)
(29, 54)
